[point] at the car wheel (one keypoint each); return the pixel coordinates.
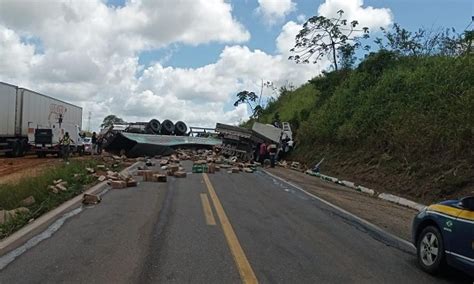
(430, 250)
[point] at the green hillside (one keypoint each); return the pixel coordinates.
(397, 123)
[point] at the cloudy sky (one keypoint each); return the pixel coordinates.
(178, 59)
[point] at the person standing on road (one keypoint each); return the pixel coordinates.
(272, 151)
(100, 140)
(65, 143)
(262, 152)
(94, 143)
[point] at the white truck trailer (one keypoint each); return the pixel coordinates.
(32, 120)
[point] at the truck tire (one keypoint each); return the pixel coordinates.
(24, 147)
(167, 127)
(180, 128)
(16, 149)
(154, 125)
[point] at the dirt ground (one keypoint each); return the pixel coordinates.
(393, 218)
(13, 169)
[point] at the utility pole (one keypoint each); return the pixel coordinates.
(89, 121)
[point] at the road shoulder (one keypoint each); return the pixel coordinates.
(391, 217)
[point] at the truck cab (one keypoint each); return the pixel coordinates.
(46, 140)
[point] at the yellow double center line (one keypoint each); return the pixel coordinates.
(245, 270)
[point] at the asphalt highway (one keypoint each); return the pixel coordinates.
(215, 228)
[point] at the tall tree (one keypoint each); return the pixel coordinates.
(333, 38)
(250, 98)
(110, 120)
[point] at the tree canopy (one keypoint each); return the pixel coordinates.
(334, 38)
(110, 120)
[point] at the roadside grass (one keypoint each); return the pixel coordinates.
(11, 195)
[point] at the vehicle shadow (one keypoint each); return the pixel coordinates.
(450, 274)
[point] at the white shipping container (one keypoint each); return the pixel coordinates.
(269, 131)
(40, 111)
(7, 109)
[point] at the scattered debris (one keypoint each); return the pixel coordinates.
(159, 178)
(102, 178)
(62, 186)
(117, 184)
(211, 168)
(141, 168)
(7, 215)
(53, 189)
(148, 175)
(90, 199)
(132, 183)
(180, 174)
(30, 200)
(173, 167)
(90, 170)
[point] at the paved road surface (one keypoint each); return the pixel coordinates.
(220, 228)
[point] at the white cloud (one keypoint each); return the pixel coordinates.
(370, 17)
(286, 40)
(274, 11)
(301, 18)
(16, 57)
(90, 57)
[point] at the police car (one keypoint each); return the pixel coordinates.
(443, 233)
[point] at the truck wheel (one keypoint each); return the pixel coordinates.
(167, 127)
(155, 126)
(180, 128)
(16, 149)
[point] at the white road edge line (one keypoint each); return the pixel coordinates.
(365, 222)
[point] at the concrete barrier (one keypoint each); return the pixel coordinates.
(401, 201)
(366, 190)
(385, 196)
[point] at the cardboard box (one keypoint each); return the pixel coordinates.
(118, 184)
(180, 174)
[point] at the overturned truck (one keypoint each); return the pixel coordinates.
(242, 142)
(152, 138)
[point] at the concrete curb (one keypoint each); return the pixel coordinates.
(27, 232)
(384, 196)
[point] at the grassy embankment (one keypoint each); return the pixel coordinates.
(11, 195)
(395, 123)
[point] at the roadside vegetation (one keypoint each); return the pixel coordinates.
(11, 195)
(401, 120)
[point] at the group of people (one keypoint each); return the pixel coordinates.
(273, 152)
(65, 142)
(267, 151)
(96, 142)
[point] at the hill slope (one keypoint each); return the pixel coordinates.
(395, 123)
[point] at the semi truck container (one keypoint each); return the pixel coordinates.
(32, 120)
